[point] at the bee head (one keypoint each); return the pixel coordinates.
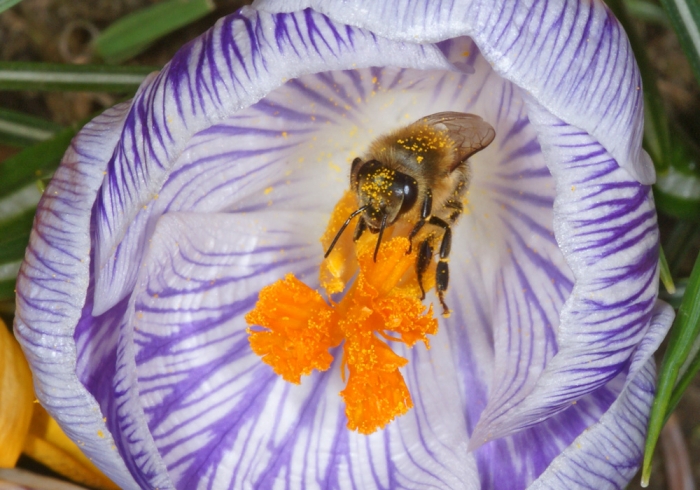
(386, 193)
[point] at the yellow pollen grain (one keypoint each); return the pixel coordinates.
(465, 53)
(284, 134)
(374, 79)
(100, 434)
(268, 190)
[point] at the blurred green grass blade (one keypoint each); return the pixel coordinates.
(678, 242)
(685, 19)
(19, 129)
(34, 162)
(6, 4)
(133, 33)
(685, 380)
(7, 289)
(647, 12)
(665, 273)
(677, 189)
(677, 194)
(20, 75)
(676, 298)
(14, 236)
(683, 333)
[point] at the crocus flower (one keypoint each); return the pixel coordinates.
(170, 213)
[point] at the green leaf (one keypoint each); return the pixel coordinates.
(677, 189)
(14, 236)
(6, 4)
(683, 333)
(685, 19)
(7, 289)
(678, 242)
(688, 372)
(34, 162)
(133, 33)
(665, 273)
(18, 129)
(647, 11)
(676, 298)
(20, 75)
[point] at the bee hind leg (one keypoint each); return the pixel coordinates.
(442, 271)
(442, 278)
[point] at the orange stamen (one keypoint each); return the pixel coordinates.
(300, 329)
(383, 299)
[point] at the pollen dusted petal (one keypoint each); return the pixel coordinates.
(341, 265)
(390, 268)
(301, 329)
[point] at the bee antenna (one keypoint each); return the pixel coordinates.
(379, 238)
(342, 229)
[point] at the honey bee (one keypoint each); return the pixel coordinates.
(418, 175)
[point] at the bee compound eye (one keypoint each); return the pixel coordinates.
(408, 188)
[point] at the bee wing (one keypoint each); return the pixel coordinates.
(470, 133)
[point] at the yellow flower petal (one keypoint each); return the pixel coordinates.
(50, 446)
(16, 398)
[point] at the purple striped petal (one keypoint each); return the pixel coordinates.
(244, 57)
(608, 222)
(572, 56)
(52, 288)
(600, 457)
(168, 216)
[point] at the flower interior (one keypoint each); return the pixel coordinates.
(380, 305)
(170, 217)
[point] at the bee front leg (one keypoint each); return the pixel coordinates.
(425, 257)
(359, 228)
